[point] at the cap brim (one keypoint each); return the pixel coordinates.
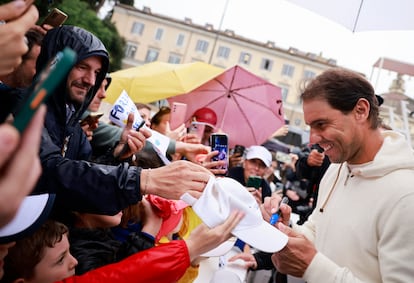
(220, 250)
(263, 237)
(32, 213)
(258, 156)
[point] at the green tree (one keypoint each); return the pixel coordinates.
(81, 14)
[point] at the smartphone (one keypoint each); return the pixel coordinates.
(317, 147)
(177, 116)
(283, 157)
(239, 150)
(220, 142)
(254, 182)
(55, 18)
(197, 128)
(49, 78)
(91, 118)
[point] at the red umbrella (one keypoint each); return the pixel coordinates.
(248, 108)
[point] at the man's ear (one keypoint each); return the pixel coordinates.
(362, 108)
(19, 280)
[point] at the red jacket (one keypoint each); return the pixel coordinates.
(162, 264)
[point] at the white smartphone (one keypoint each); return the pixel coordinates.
(177, 116)
(197, 129)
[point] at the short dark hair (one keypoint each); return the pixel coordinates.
(156, 119)
(342, 89)
(34, 37)
(23, 257)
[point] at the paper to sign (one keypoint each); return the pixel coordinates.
(121, 109)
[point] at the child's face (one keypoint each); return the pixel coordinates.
(56, 264)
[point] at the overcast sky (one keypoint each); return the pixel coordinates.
(291, 26)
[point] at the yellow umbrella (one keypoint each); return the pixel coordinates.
(158, 80)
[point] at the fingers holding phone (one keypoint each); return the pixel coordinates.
(220, 142)
(215, 166)
(17, 17)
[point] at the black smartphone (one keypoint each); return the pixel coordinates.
(317, 147)
(55, 18)
(50, 77)
(239, 150)
(254, 182)
(220, 142)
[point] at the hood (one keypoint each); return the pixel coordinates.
(85, 44)
(395, 153)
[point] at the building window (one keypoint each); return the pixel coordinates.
(223, 52)
(202, 46)
(180, 40)
(174, 59)
(266, 64)
(245, 58)
(158, 34)
(288, 70)
(152, 55)
(130, 50)
(285, 92)
(137, 28)
(308, 74)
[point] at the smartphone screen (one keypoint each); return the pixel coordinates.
(50, 77)
(254, 182)
(220, 142)
(177, 116)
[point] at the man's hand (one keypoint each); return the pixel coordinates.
(19, 17)
(271, 206)
(175, 179)
(296, 256)
(131, 140)
(211, 165)
(315, 158)
(191, 150)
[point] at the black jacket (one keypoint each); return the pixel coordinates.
(94, 248)
(237, 174)
(79, 185)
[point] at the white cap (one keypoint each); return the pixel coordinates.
(220, 198)
(32, 213)
(259, 152)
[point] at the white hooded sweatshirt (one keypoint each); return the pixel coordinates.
(366, 230)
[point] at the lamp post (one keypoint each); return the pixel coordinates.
(218, 31)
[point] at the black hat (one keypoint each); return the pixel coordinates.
(380, 99)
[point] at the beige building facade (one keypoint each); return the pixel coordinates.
(150, 37)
